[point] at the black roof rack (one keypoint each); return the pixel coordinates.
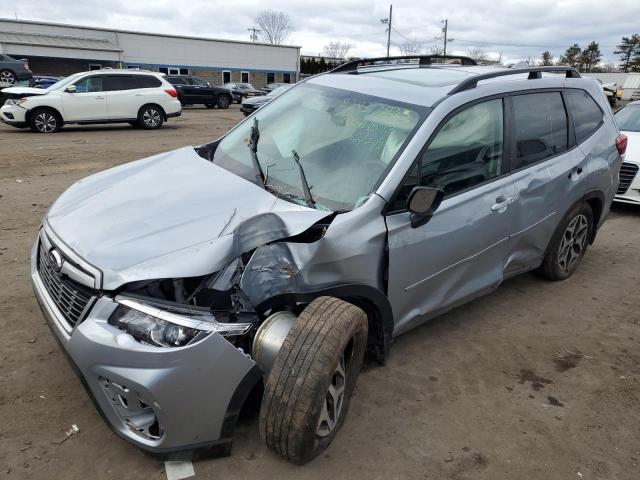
(353, 65)
(534, 72)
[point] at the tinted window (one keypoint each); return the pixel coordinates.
(89, 84)
(198, 81)
(587, 116)
(145, 81)
(540, 127)
(628, 118)
(465, 152)
(177, 81)
(118, 82)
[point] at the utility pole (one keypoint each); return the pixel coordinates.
(444, 35)
(254, 34)
(388, 22)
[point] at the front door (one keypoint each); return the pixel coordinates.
(87, 103)
(460, 252)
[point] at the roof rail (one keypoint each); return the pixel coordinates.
(353, 65)
(534, 72)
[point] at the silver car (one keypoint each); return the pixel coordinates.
(354, 207)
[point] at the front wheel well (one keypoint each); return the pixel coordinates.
(44, 107)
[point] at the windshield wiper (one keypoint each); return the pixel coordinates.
(253, 146)
(305, 186)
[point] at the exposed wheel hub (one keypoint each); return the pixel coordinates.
(573, 243)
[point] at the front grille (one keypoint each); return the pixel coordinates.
(627, 174)
(71, 298)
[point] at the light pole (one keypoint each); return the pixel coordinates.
(387, 21)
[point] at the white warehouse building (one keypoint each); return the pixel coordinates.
(59, 49)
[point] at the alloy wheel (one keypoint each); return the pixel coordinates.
(573, 243)
(332, 405)
(45, 122)
(7, 77)
(151, 117)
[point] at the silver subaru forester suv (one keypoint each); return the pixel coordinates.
(354, 207)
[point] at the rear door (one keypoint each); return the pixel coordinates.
(549, 172)
(88, 102)
(123, 96)
(460, 252)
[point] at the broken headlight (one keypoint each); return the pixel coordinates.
(162, 327)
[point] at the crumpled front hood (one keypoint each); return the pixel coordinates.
(168, 216)
(26, 91)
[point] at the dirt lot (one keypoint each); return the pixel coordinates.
(536, 381)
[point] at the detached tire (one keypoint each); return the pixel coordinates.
(568, 244)
(309, 387)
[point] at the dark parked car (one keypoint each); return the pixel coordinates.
(194, 90)
(243, 90)
(12, 71)
(251, 104)
(44, 81)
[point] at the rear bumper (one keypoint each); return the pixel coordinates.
(194, 393)
(175, 114)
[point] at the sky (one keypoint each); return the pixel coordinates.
(519, 29)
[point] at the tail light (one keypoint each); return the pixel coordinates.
(621, 143)
(171, 91)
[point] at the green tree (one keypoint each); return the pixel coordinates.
(590, 57)
(571, 56)
(547, 58)
(628, 49)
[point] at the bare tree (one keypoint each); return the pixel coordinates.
(336, 50)
(275, 26)
(477, 54)
(435, 49)
(410, 47)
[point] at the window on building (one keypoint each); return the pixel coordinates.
(95, 66)
(164, 70)
(541, 127)
(174, 71)
(271, 77)
(286, 78)
(226, 76)
(184, 71)
(244, 77)
(587, 116)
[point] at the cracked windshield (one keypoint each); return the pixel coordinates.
(338, 143)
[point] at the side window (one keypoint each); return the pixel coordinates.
(587, 116)
(177, 81)
(145, 81)
(466, 151)
(89, 84)
(540, 127)
(113, 83)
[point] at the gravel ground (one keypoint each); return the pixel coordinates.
(538, 380)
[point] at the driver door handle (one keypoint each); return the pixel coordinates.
(501, 204)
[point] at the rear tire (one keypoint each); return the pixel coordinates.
(568, 244)
(309, 387)
(150, 117)
(223, 102)
(45, 120)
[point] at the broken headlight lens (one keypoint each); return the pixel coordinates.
(164, 328)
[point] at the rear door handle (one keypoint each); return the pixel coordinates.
(501, 204)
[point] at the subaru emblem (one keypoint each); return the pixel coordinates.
(55, 260)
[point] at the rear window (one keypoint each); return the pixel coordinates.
(130, 82)
(587, 116)
(540, 127)
(628, 118)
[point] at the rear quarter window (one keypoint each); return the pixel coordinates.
(541, 129)
(587, 116)
(146, 81)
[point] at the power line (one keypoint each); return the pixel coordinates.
(254, 33)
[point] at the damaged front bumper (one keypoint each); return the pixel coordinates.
(161, 399)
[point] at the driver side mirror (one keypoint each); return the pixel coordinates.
(70, 89)
(422, 203)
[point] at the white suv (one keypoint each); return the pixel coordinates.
(137, 97)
